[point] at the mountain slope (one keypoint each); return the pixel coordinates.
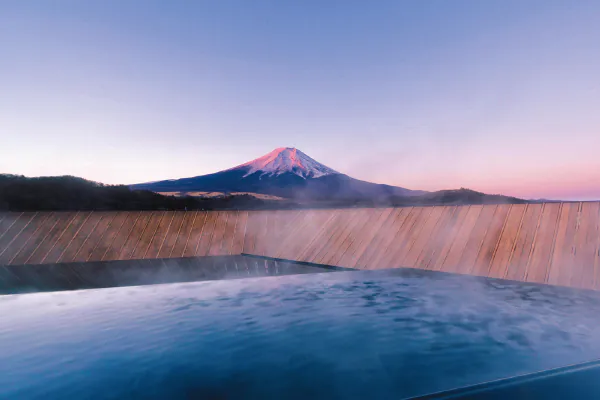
(285, 172)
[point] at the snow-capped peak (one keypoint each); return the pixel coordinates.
(286, 159)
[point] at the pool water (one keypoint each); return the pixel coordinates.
(349, 335)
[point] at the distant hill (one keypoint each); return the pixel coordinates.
(19, 193)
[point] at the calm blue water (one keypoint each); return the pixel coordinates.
(371, 334)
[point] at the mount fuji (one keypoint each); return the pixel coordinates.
(285, 172)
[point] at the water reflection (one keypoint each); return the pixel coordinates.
(368, 334)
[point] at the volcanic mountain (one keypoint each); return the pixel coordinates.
(285, 172)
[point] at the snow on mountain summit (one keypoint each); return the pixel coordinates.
(286, 159)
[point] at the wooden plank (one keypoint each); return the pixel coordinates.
(123, 243)
(423, 237)
(539, 262)
(452, 260)
(189, 218)
(95, 237)
(454, 226)
(370, 230)
(400, 241)
(436, 239)
(506, 243)
(21, 239)
(145, 238)
(109, 236)
(65, 238)
(475, 239)
(237, 246)
(51, 237)
(230, 225)
(134, 236)
(274, 232)
(207, 233)
(14, 230)
(401, 255)
(491, 240)
(302, 223)
(562, 256)
(355, 231)
(385, 242)
(172, 234)
(321, 240)
(7, 222)
(79, 238)
(344, 220)
(195, 236)
(517, 266)
(597, 255)
(214, 248)
(35, 240)
(160, 235)
(585, 245)
(251, 232)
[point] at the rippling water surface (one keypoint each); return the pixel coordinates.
(369, 334)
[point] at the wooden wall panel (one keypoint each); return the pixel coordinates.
(423, 236)
(491, 238)
(372, 226)
(78, 239)
(173, 232)
(109, 236)
(134, 235)
(239, 234)
(22, 237)
(122, 237)
(34, 240)
(555, 243)
(188, 220)
(562, 257)
(94, 237)
(539, 262)
(160, 235)
(517, 268)
(208, 231)
(585, 247)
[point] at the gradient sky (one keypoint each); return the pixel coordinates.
(501, 96)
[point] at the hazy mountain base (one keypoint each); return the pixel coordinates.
(19, 193)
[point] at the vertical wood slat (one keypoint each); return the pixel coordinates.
(134, 236)
(368, 235)
(400, 240)
(35, 239)
(195, 235)
(109, 236)
(524, 244)
(122, 237)
(498, 265)
(382, 245)
(437, 238)
(562, 258)
(469, 255)
(451, 262)
(320, 239)
(227, 242)
(160, 234)
(239, 234)
(94, 237)
(208, 231)
(15, 228)
(423, 237)
(539, 263)
(21, 238)
(354, 230)
(188, 220)
(172, 234)
(80, 236)
(489, 245)
(583, 274)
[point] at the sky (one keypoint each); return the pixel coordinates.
(501, 96)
